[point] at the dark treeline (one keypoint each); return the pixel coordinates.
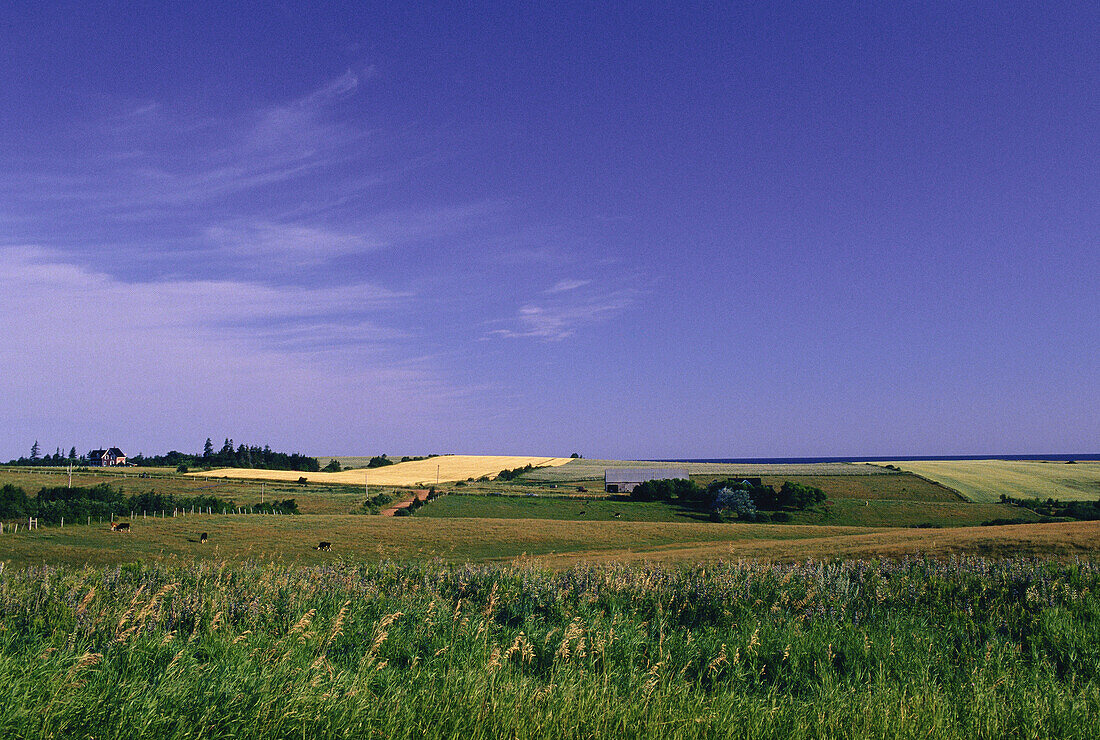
(513, 473)
(242, 456)
(1053, 509)
(58, 458)
(744, 499)
(76, 504)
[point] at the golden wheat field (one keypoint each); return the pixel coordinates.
(442, 469)
(985, 480)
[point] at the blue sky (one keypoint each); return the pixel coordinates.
(665, 230)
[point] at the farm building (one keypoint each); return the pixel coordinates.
(106, 458)
(624, 480)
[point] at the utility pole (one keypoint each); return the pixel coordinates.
(437, 475)
(261, 493)
(70, 474)
(366, 488)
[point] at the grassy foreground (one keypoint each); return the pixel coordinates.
(964, 648)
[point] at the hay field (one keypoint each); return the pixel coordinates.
(447, 467)
(583, 469)
(985, 480)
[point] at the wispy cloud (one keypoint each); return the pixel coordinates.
(298, 243)
(62, 294)
(568, 284)
(145, 156)
(556, 319)
(278, 190)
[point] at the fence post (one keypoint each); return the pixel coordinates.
(62, 522)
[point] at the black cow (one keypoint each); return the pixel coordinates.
(203, 538)
(326, 546)
(120, 527)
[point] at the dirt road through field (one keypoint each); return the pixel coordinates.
(420, 493)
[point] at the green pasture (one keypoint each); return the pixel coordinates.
(840, 512)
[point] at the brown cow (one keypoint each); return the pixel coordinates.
(120, 527)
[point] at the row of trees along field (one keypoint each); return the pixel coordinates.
(242, 456)
(51, 504)
(732, 496)
(57, 458)
(378, 461)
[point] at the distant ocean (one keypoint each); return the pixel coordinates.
(788, 460)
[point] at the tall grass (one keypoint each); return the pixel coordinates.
(967, 648)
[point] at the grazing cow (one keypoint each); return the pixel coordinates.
(120, 527)
(326, 546)
(202, 538)
(582, 512)
(617, 515)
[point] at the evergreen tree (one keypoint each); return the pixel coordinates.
(34, 451)
(208, 448)
(72, 453)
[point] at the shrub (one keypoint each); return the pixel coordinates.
(374, 504)
(667, 490)
(514, 472)
(798, 496)
(737, 501)
(14, 503)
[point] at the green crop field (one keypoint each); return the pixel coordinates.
(858, 512)
(896, 487)
(546, 507)
(987, 480)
